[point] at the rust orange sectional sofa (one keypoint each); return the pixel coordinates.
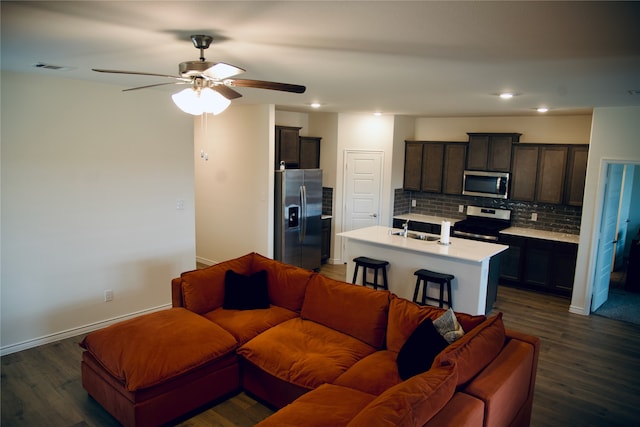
(320, 351)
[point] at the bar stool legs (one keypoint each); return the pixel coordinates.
(374, 264)
(426, 276)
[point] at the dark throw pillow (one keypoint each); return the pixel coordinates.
(245, 292)
(417, 354)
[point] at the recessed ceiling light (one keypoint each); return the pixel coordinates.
(377, 113)
(506, 95)
(542, 109)
(315, 105)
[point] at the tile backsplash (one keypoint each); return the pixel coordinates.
(558, 218)
(327, 201)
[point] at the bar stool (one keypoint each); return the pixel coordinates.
(374, 264)
(426, 276)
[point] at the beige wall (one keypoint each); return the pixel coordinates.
(234, 187)
(541, 129)
(91, 178)
(615, 137)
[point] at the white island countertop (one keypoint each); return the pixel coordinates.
(462, 249)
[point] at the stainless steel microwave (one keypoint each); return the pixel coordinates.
(486, 184)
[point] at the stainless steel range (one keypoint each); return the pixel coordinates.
(482, 224)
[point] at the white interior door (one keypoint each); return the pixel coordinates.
(363, 188)
(623, 216)
(607, 236)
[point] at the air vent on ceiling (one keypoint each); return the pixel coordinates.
(635, 92)
(52, 67)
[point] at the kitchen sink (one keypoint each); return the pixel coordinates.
(417, 236)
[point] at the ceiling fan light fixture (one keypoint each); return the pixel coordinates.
(199, 101)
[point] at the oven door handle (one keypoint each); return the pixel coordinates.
(479, 236)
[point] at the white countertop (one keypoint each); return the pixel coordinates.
(541, 234)
(425, 218)
(464, 249)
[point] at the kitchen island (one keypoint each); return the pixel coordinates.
(474, 264)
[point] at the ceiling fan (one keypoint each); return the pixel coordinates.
(211, 83)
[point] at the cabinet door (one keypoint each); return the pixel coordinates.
(288, 146)
(432, 158)
(412, 166)
(499, 156)
(563, 268)
(325, 251)
(524, 166)
(478, 152)
(537, 264)
(576, 174)
(511, 259)
(454, 160)
(550, 179)
(309, 152)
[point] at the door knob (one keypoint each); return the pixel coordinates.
(373, 215)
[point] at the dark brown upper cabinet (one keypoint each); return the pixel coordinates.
(552, 166)
(288, 146)
(490, 151)
(576, 174)
(435, 167)
(310, 152)
(297, 152)
(455, 154)
(524, 168)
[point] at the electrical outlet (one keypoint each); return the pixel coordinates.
(534, 216)
(460, 208)
(108, 295)
(413, 203)
(180, 204)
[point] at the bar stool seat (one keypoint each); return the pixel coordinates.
(427, 276)
(374, 264)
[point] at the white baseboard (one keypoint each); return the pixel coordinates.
(578, 310)
(205, 261)
(80, 330)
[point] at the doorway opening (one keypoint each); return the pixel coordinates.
(616, 288)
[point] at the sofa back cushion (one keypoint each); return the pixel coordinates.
(203, 290)
(286, 283)
(405, 316)
(351, 309)
(475, 350)
(412, 402)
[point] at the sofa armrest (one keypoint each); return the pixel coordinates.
(176, 292)
(507, 384)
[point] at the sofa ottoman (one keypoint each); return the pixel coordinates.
(153, 368)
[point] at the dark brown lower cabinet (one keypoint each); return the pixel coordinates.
(538, 264)
(325, 250)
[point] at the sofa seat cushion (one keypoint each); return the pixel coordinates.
(405, 316)
(354, 310)
(475, 350)
(153, 348)
(327, 406)
(304, 353)
(374, 374)
(246, 324)
(412, 402)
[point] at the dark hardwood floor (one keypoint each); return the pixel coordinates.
(588, 374)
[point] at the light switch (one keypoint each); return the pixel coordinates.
(179, 204)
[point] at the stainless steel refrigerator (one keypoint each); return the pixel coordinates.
(298, 222)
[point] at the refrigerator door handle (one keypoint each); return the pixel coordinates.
(303, 214)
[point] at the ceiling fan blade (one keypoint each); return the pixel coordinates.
(261, 84)
(157, 84)
(140, 73)
(221, 71)
(226, 91)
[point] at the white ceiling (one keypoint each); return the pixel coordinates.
(420, 58)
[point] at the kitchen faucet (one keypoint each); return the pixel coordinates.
(405, 229)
